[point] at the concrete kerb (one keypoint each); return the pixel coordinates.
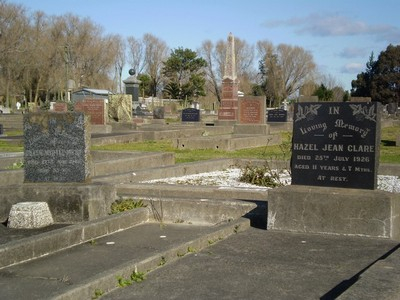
(43, 244)
(334, 211)
(106, 280)
(200, 212)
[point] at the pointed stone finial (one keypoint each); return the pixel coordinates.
(230, 61)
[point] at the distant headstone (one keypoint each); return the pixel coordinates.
(95, 108)
(336, 144)
(120, 108)
(252, 110)
(190, 115)
(60, 107)
(1, 129)
(392, 108)
(57, 147)
(158, 113)
(277, 115)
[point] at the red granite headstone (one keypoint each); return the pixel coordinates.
(60, 107)
(252, 110)
(94, 108)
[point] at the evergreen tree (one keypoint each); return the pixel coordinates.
(381, 80)
(185, 75)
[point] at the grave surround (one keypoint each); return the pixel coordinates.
(336, 144)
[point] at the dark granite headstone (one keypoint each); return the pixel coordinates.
(57, 147)
(158, 113)
(1, 129)
(190, 115)
(277, 115)
(336, 144)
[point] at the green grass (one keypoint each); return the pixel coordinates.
(389, 152)
(182, 156)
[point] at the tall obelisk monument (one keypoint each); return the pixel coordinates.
(228, 109)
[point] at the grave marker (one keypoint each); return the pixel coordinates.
(190, 115)
(336, 144)
(60, 107)
(252, 110)
(158, 113)
(94, 108)
(277, 115)
(57, 147)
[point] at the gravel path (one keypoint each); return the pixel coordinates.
(230, 178)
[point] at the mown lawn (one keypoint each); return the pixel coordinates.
(389, 152)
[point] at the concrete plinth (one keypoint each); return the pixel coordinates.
(30, 215)
(335, 211)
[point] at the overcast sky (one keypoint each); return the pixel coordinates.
(340, 34)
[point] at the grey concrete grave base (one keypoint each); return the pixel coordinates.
(371, 213)
(68, 202)
(30, 215)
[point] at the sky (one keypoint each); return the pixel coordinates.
(340, 34)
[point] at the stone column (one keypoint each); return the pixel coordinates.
(132, 88)
(228, 110)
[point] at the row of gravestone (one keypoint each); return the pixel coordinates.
(333, 144)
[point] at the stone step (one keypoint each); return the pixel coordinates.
(76, 261)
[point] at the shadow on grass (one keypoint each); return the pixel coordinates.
(388, 143)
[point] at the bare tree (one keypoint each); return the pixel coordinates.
(156, 52)
(136, 54)
(213, 74)
(13, 35)
(120, 46)
(285, 68)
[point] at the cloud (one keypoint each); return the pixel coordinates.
(337, 25)
(352, 68)
(352, 52)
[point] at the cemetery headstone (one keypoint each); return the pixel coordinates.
(1, 129)
(190, 115)
(60, 107)
(120, 108)
(336, 144)
(158, 113)
(277, 115)
(57, 147)
(252, 110)
(392, 108)
(95, 108)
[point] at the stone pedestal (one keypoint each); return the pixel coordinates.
(311, 209)
(28, 215)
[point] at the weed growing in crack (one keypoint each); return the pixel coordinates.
(122, 205)
(97, 294)
(163, 261)
(138, 276)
